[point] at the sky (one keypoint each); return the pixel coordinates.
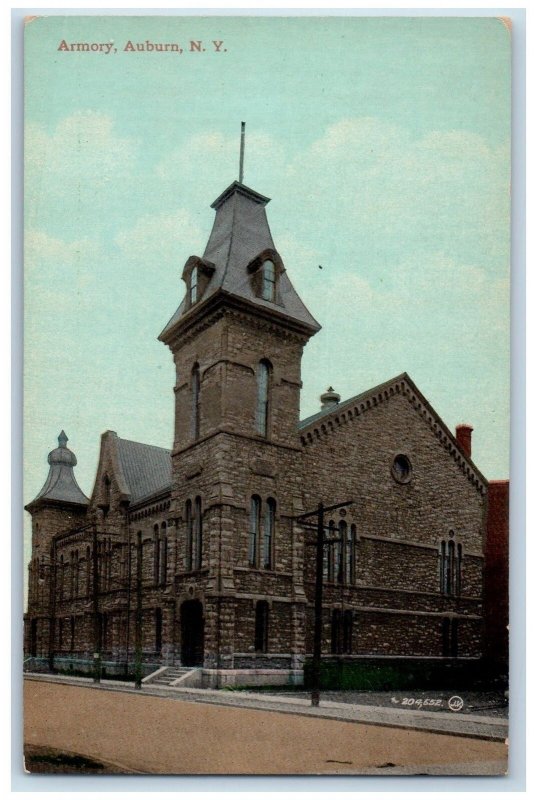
(384, 144)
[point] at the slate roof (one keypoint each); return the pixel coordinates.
(147, 469)
(304, 423)
(61, 485)
(240, 233)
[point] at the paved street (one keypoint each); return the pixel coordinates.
(159, 733)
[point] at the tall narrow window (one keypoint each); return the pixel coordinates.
(88, 570)
(198, 535)
(263, 393)
(443, 568)
(454, 638)
(77, 567)
(255, 521)
(347, 631)
(189, 534)
(72, 643)
(261, 626)
(458, 587)
(269, 281)
(156, 555)
(340, 545)
(336, 631)
(158, 629)
(445, 638)
(163, 560)
(330, 550)
(193, 286)
(196, 402)
(268, 533)
(350, 553)
(60, 576)
(451, 567)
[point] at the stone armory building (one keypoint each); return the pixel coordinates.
(205, 537)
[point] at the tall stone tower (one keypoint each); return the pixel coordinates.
(237, 341)
(60, 506)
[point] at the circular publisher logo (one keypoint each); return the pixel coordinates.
(455, 703)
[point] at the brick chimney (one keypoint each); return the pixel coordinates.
(463, 433)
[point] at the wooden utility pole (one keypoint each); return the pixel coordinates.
(319, 561)
(138, 623)
(96, 621)
(52, 606)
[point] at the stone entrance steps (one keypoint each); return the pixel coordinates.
(168, 676)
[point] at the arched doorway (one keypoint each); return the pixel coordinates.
(192, 633)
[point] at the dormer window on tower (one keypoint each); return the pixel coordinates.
(197, 274)
(265, 271)
(269, 280)
(193, 288)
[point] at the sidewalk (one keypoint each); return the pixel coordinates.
(470, 725)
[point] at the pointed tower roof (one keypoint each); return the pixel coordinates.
(61, 485)
(240, 236)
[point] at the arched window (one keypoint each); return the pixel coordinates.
(196, 401)
(193, 289)
(198, 535)
(261, 626)
(263, 397)
(255, 523)
(269, 281)
(268, 533)
(450, 567)
(189, 534)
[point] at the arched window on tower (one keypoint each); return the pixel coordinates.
(196, 401)
(269, 281)
(189, 534)
(268, 533)
(340, 548)
(198, 535)
(255, 524)
(263, 397)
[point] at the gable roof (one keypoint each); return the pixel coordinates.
(147, 469)
(240, 233)
(326, 420)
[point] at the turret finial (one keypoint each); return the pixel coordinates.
(62, 439)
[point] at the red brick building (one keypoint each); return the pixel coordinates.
(209, 528)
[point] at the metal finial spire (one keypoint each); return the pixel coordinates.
(241, 161)
(62, 439)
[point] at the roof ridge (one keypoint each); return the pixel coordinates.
(145, 444)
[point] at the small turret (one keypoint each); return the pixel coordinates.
(329, 399)
(61, 486)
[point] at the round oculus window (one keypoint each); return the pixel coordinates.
(401, 468)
